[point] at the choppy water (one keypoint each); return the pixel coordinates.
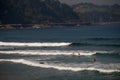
(91, 48)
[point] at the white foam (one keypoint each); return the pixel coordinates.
(34, 44)
(36, 64)
(50, 52)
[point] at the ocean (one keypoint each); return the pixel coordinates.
(69, 53)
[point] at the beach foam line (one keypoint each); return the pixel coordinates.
(34, 44)
(49, 52)
(36, 64)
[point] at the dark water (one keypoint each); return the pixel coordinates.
(72, 51)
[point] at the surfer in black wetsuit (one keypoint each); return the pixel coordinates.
(94, 60)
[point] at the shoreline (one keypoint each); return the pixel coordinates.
(50, 25)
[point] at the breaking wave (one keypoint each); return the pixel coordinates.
(60, 52)
(48, 52)
(46, 65)
(53, 44)
(34, 44)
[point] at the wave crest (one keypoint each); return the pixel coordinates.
(59, 52)
(76, 69)
(34, 44)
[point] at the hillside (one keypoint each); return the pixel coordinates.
(34, 11)
(89, 12)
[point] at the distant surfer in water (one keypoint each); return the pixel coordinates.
(78, 53)
(94, 60)
(41, 62)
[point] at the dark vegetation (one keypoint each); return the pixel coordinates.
(53, 11)
(35, 11)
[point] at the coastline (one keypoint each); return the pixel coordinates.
(51, 25)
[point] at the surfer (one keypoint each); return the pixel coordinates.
(78, 54)
(41, 62)
(94, 60)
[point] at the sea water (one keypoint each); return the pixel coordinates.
(76, 49)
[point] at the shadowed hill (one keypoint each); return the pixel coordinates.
(34, 11)
(97, 13)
